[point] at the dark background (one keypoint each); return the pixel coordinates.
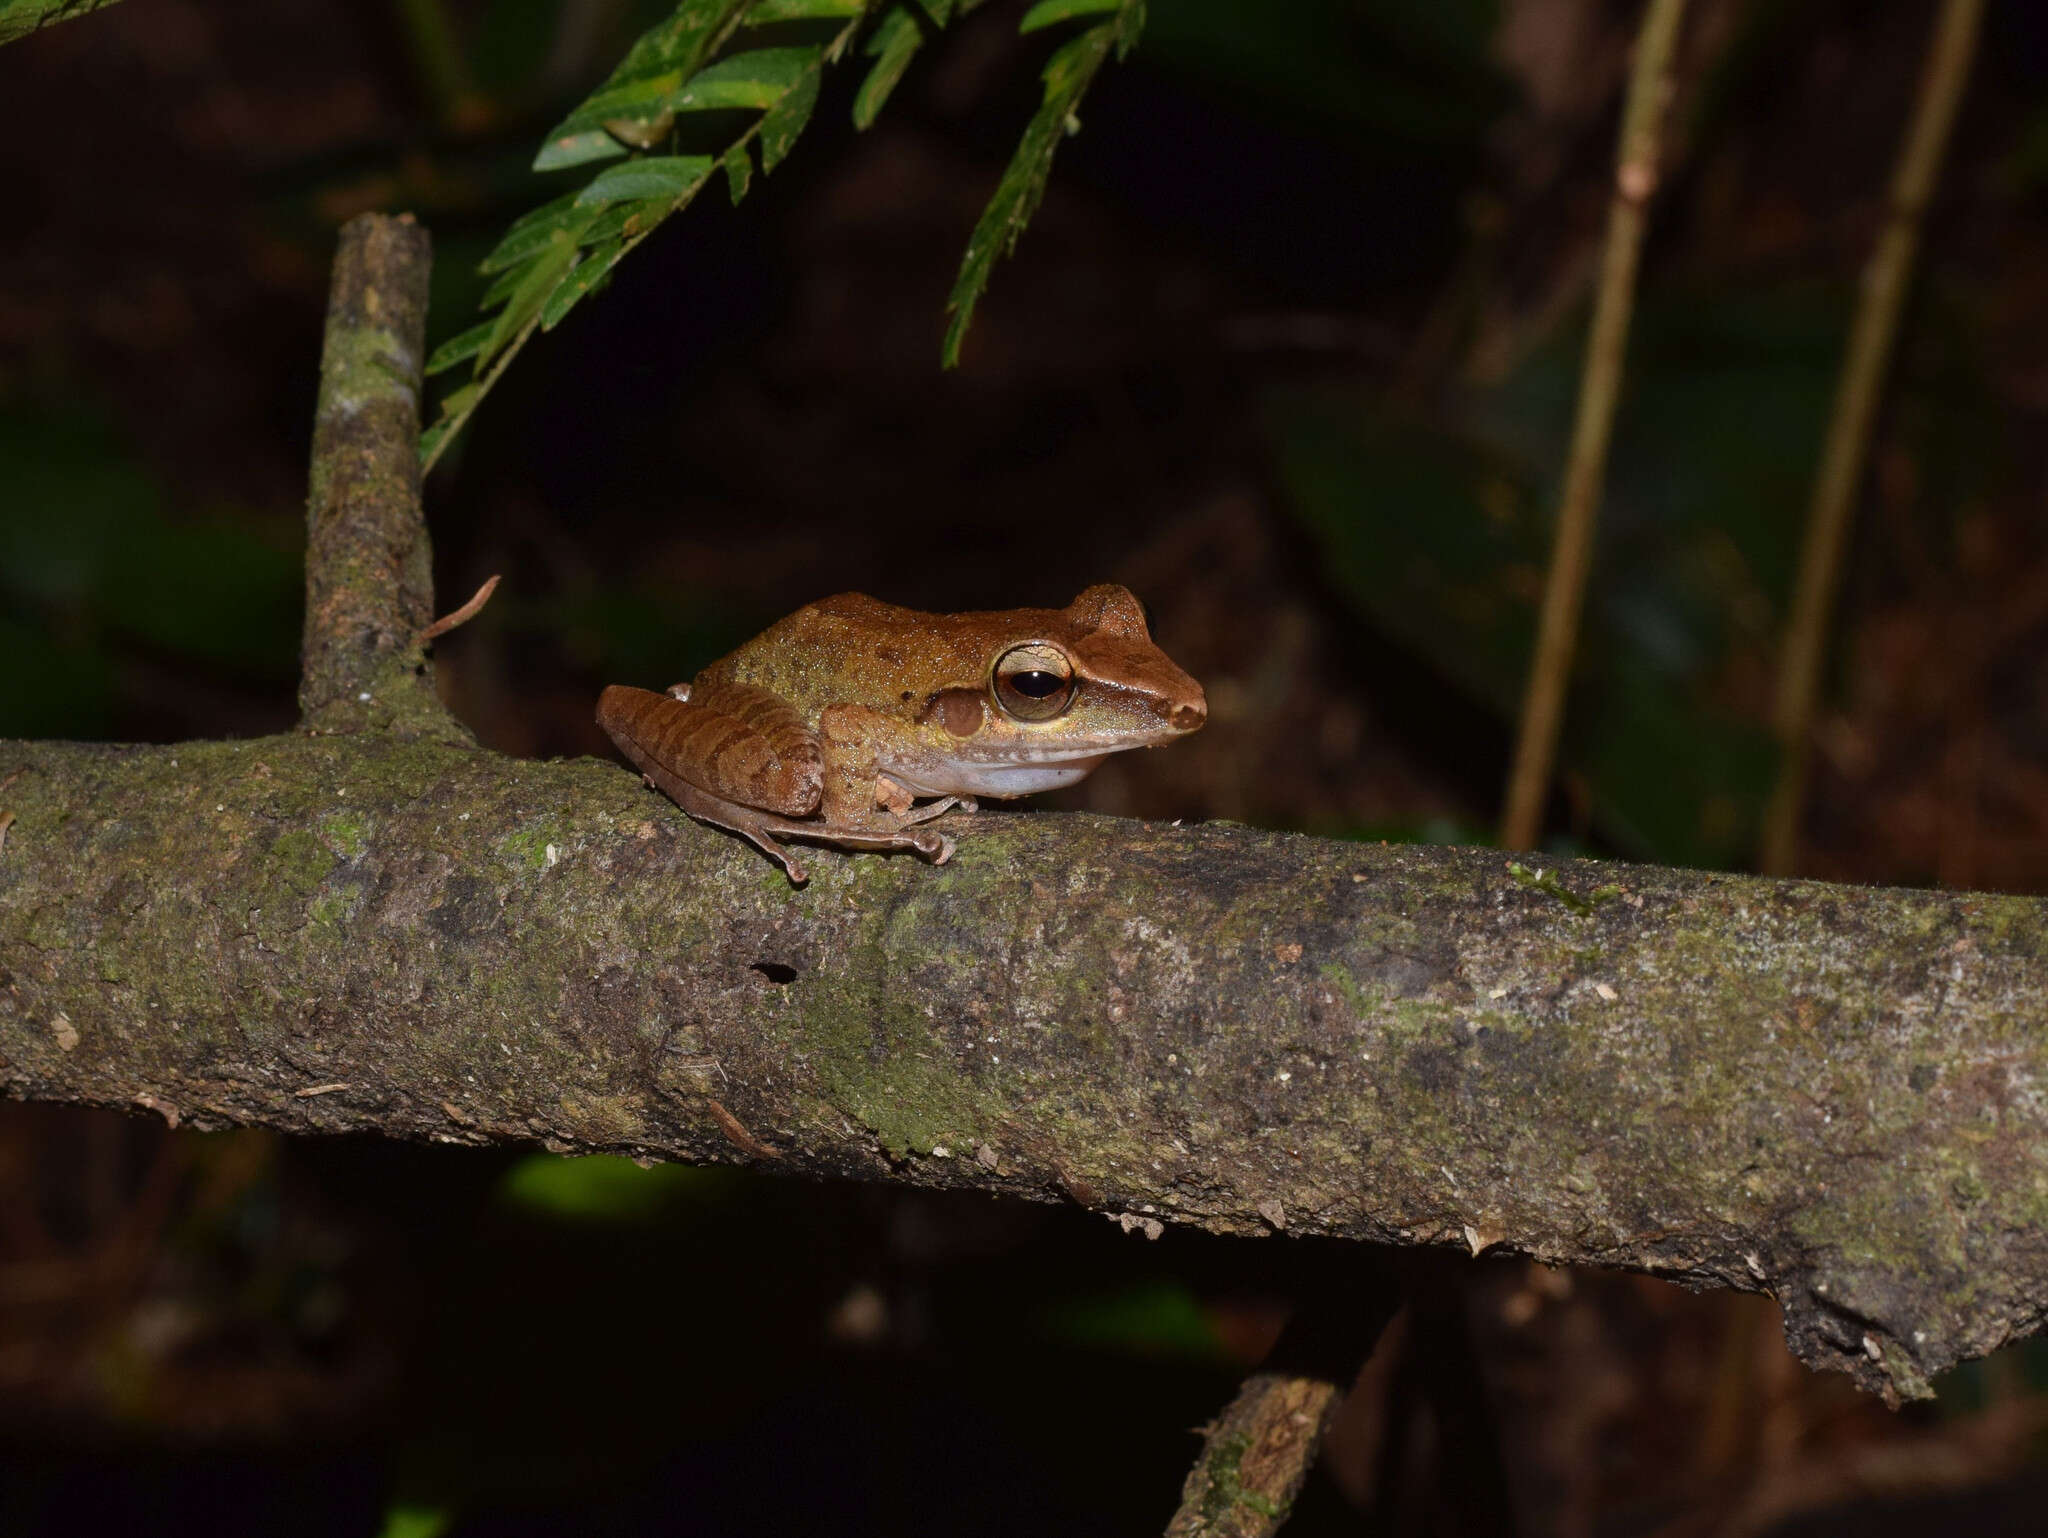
(1290, 349)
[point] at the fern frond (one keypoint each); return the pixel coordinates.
(697, 60)
(1067, 77)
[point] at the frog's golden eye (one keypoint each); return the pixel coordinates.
(1034, 682)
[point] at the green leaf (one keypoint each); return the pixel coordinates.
(532, 231)
(786, 119)
(579, 148)
(642, 97)
(654, 69)
(456, 402)
(624, 221)
(894, 43)
(1049, 13)
(432, 439)
(589, 273)
(406, 1519)
(647, 176)
(758, 78)
(941, 11)
(501, 290)
(1016, 198)
(766, 11)
(456, 348)
(525, 302)
(739, 170)
(605, 1188)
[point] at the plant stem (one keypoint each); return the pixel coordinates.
(1871, 337)
(1564, 590)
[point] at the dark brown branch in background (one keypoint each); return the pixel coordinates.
(369, 565)
(1564, 588)
(1871, 336)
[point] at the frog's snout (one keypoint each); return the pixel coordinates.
(1187, 717)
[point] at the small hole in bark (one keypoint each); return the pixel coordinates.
(775, 971)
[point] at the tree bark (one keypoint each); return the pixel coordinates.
(1835, 1096)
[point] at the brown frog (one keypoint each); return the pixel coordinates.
(833, 723)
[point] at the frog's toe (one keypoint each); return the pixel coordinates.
(929, 843)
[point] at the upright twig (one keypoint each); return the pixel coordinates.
(369, 567)
(1257, 1453)
(1564, 589)
(1872, 333)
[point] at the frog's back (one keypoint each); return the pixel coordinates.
(853, 649)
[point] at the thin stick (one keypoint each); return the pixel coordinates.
(461, 616)
(369, 572)
(1886, 279)
(1564, 589)
(1257, 1453)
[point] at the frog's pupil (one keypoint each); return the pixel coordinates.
(1037, 685)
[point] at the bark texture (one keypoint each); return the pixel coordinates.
(369, 565)
(1830, 1094)
(1255, 1458)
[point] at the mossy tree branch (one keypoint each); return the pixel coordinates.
(1833, 1095)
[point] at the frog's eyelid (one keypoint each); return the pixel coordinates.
(1034, 657)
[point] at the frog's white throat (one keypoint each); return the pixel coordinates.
(964, 777)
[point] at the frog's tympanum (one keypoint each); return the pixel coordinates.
(832, 723)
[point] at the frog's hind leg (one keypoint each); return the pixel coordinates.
(739, 743)
(756, 827)
(727, 754)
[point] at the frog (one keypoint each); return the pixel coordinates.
(855, 723)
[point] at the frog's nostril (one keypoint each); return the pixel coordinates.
(1187, 717)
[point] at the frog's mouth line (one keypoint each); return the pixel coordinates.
(1015, 754)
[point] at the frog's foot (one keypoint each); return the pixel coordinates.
(925, 842)
(937, 809)
(757, 828)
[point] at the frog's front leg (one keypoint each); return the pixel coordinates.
(862, 807)
(896, 797)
